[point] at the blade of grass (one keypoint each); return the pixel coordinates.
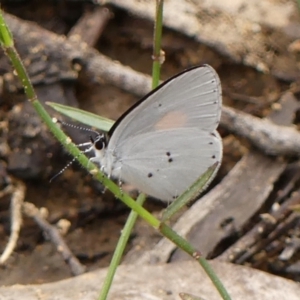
(190, 194)
(83, 116)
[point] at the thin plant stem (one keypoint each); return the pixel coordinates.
(158, 56)
(118, 253)
(189, 249)
(298, 2)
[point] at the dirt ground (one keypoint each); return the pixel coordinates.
(96, 218)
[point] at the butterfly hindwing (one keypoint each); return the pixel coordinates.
(165, 170)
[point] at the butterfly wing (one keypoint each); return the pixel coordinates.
(189, 99)
(163, 169)
(180, 118)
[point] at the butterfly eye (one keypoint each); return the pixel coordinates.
(99, 142)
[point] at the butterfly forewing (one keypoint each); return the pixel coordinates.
(190, 99)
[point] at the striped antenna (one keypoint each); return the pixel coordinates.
(79, 145)
(71, 162)
(76, 127)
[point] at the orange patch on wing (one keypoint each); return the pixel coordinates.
(174, 119)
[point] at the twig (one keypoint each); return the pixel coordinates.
(95, 65)
(280, 230)
(7, 190)
(18, 195)
(90, 26)
(263, 134)
(264, 232)
(32, 211)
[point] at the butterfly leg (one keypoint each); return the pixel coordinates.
(108, 176)
(120, 182)
(118, 172)
(95, 160)
(85, 145)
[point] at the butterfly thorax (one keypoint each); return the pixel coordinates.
(103, 157)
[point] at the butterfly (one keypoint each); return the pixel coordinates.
(168, 139)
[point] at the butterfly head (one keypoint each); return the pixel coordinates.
(99, 144)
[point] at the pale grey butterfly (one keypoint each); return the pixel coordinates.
(168, 139)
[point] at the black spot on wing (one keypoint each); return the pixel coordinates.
(170, 159)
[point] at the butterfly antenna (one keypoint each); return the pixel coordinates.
(63, 169)
(71, 162)
(76, 127)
